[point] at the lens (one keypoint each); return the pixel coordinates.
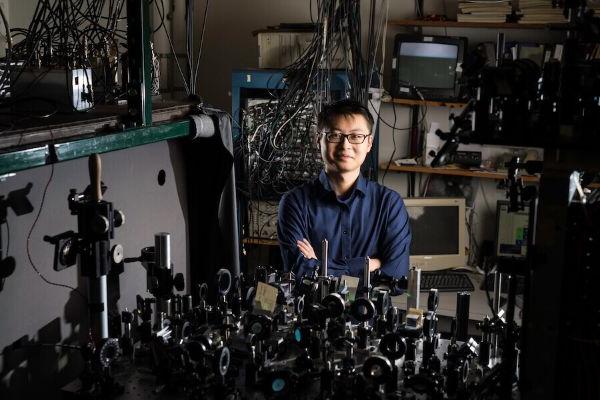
(278, 385)
(298, 335)
(376, 371)
(256, 328)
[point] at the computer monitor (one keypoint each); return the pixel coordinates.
(431, 64)
(439, 234)
(511, 231)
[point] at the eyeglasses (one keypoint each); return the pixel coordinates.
(353, 138)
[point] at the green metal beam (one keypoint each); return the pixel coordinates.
(38, 156)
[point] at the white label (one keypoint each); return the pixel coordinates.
(394, 63)
(265, 299)
(428, 39)
(248, 78)
(351, 284)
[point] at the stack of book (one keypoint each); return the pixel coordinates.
(594, 5)
(540, 12)
(492, 11)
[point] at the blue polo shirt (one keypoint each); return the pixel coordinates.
(370, 221)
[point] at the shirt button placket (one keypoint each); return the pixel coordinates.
(346, 234)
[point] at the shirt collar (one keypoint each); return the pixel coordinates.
(361, 183)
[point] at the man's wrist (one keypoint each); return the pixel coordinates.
(374, 264)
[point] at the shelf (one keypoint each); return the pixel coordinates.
(261, 241)
(456, 24)
(35, 157)
(78, 135)
(455, 172)
(428, 103)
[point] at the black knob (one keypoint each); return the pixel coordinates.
(126, 317)
(393, 346)
(118, 218)
(179, 282)
(99, 224)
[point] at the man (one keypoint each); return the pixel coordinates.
(359, 218)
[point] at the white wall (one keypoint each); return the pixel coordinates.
(45, 313)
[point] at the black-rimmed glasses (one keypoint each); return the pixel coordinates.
(353, 138)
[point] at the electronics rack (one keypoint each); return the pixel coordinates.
(254, 94)
(256, 83)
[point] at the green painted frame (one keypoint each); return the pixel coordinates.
(49, 153)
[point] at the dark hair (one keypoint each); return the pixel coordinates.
(331, 112)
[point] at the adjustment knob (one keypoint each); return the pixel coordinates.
(109, 352)
(154, 283)
(179, 282)
(116, 254)
(99, 224)
(118, 218)
(67, 253)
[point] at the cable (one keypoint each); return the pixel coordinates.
(173, 52)
(473, 245)
(394, 142)
(37, 217)
(53, 345)
(66, 33)
(485, 197)
(201, 44)
(7, 238)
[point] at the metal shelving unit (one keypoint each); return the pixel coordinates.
(105, 129)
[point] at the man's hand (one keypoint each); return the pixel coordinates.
(308, 252)
(306, 249)
(374, 264)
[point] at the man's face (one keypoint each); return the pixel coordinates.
(344, 156)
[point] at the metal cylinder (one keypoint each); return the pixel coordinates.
(497, 291)
(175, 306)
(349, 351)
(99, 315)
(411, 350)
(496, 298)
(162, 250)
(463, 300)
(187, 303)
(127, 330)
(484, 353)
(500, 46)
(104, 301)
(162, 307)
(324, 254)
(366, 275)
(414, 288)
(160, 319)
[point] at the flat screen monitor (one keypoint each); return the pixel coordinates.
(511, 231)
(439, 233)
(429, 65)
